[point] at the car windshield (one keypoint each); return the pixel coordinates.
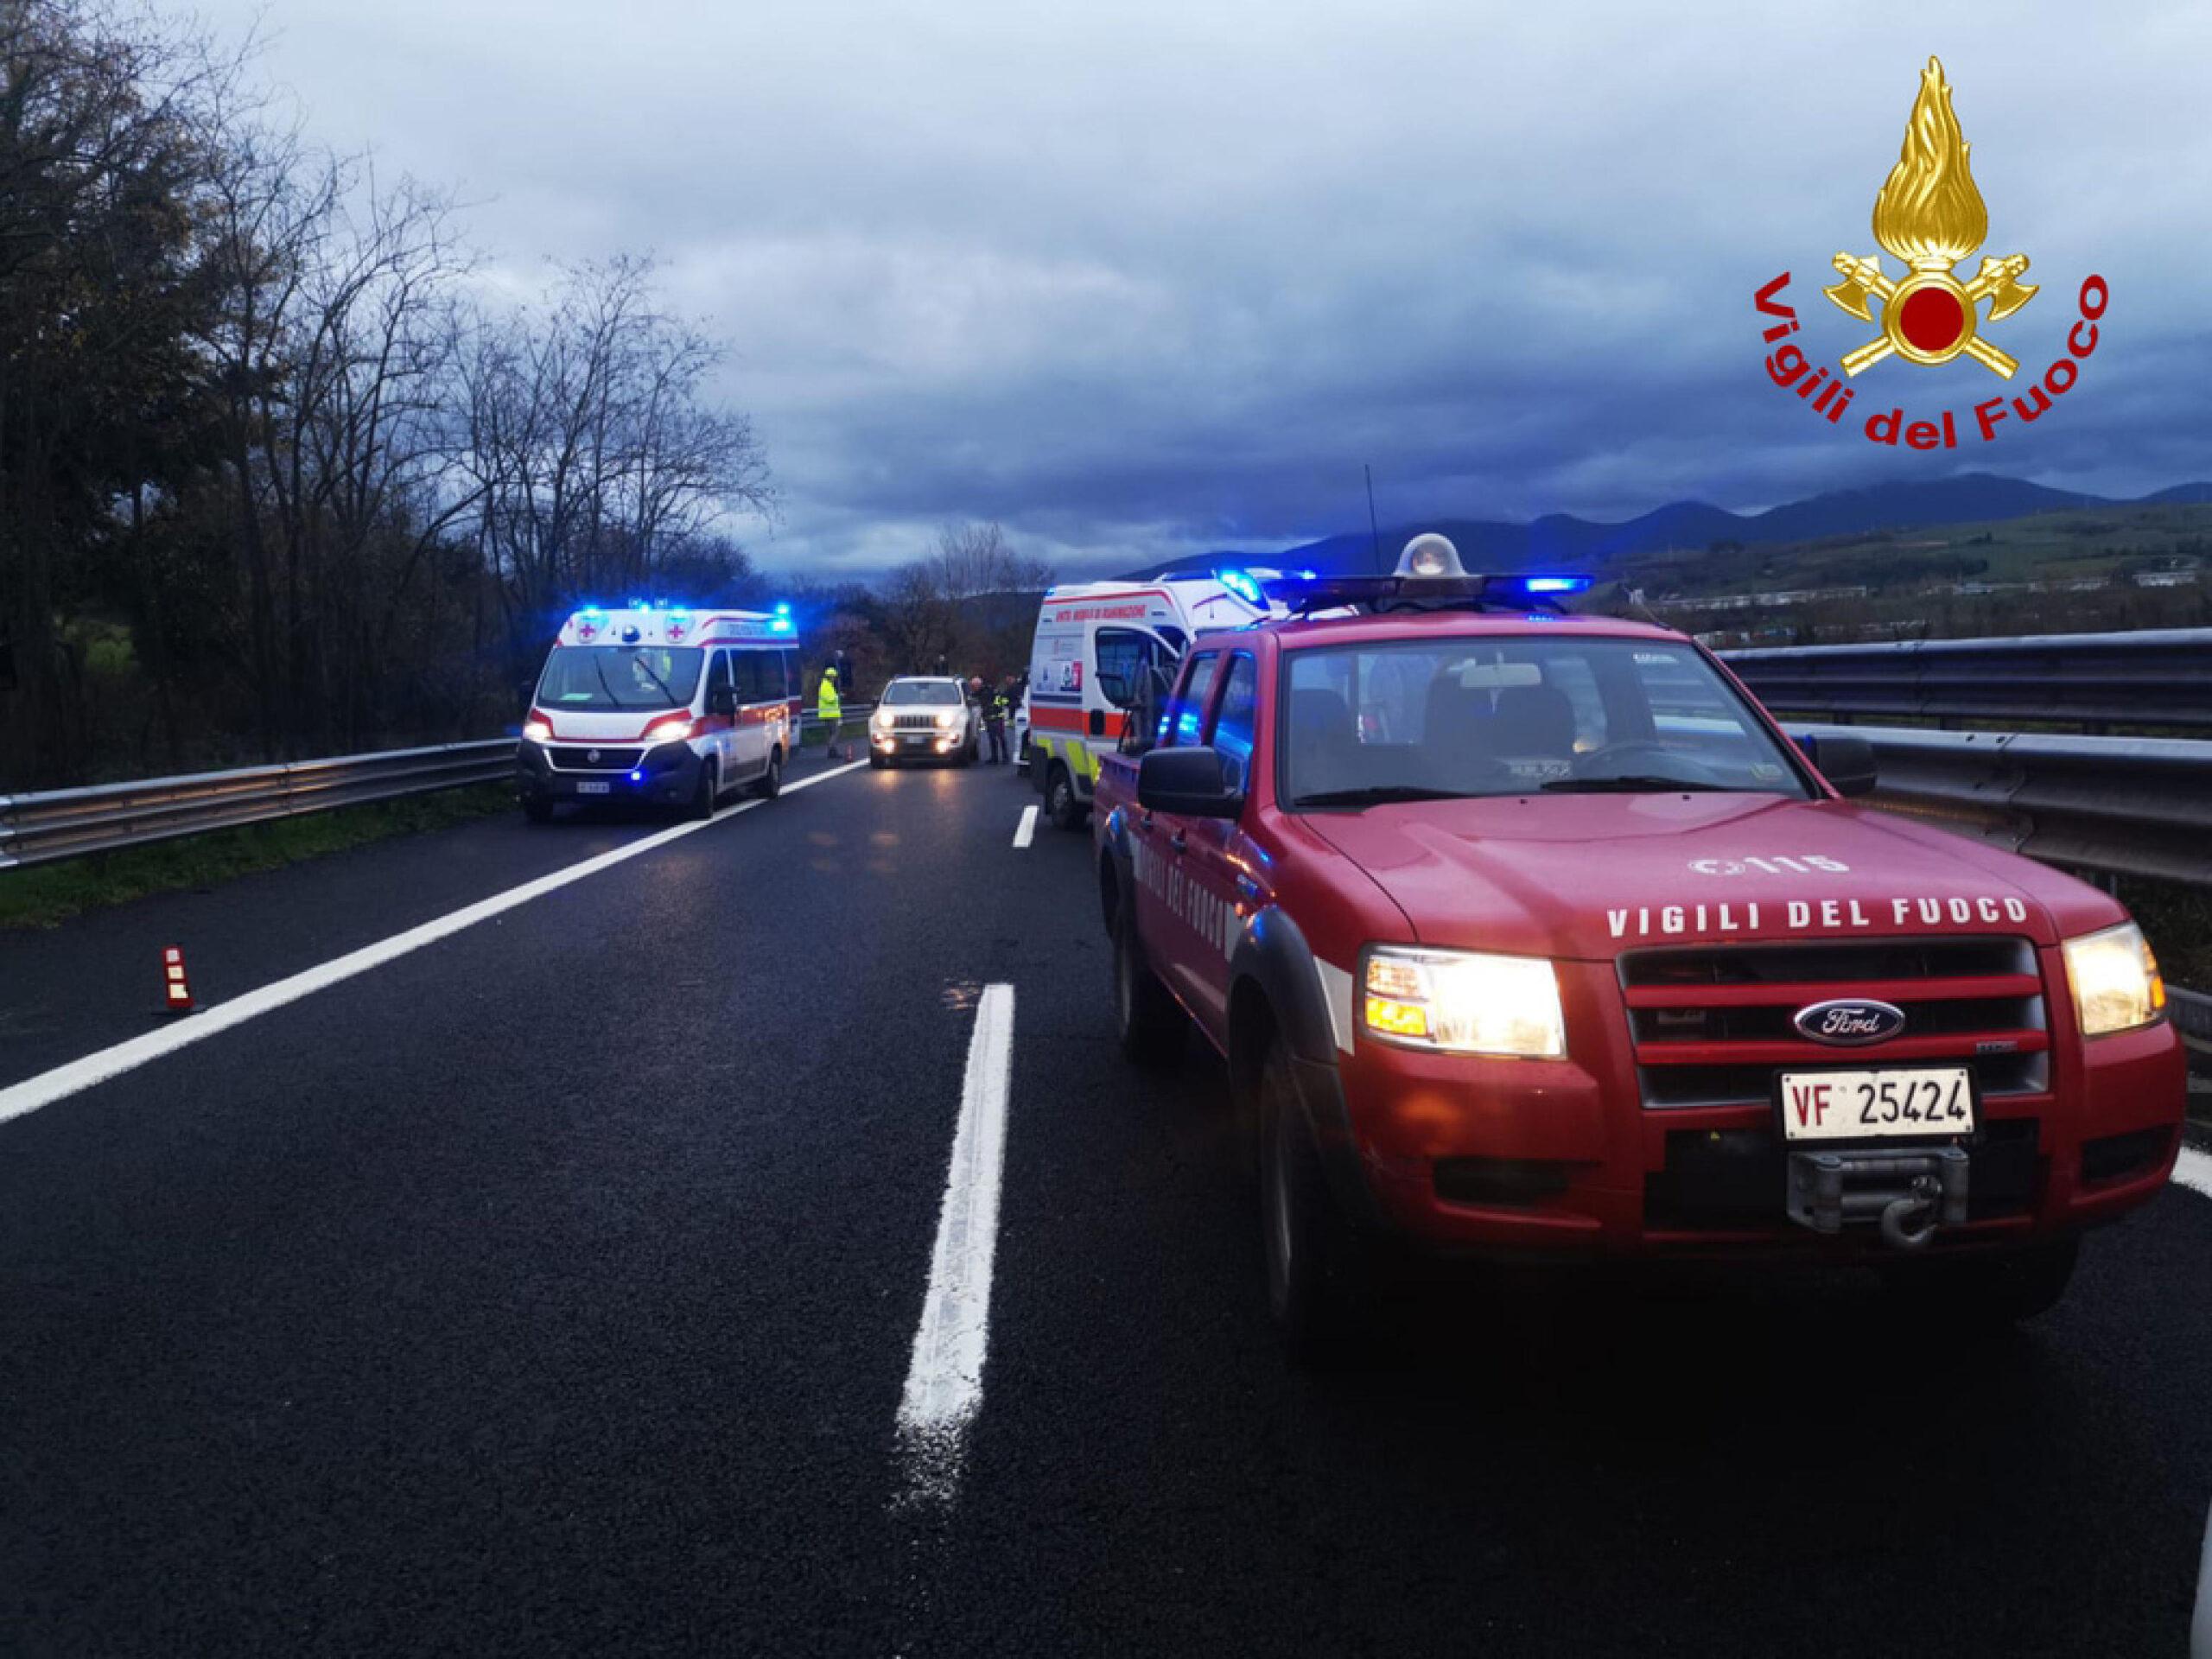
(1441, 719)
(942, 693)
(619, 676)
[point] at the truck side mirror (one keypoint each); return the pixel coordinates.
(1847, 762)
(1188, 782)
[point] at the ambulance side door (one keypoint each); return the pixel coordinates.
(717, 724)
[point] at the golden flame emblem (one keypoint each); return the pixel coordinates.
(1931, 215)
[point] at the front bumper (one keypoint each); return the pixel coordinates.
(1564, 1158)
(916, 745)
(665, 775)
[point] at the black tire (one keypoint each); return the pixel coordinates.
(879, 761)
(1982, 1292)
(703, 795)
(538, 809)
(770, 783)
(1147, 1019)
(1062, 804)
(1316, 1272)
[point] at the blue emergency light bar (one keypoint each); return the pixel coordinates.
(1244, 585)
(1306, 593)
(1548, 584)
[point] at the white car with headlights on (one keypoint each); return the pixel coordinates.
(924, 717)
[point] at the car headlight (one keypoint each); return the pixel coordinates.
(883, 719)
(537, 731)
(946, 721)
(1464, 1002)
(2117, 986)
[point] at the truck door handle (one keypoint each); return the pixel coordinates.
(1179, 841)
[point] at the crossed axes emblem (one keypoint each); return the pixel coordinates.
(1998, 282)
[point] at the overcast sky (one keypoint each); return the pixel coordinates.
(1138, 277)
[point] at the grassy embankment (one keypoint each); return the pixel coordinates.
(41, 895)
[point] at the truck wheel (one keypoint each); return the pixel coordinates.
(1149, 1022)
(771, 780)
(1985, 1290)
(1061, 803)
(1316, 1276)
(702, 797)
(538, 809)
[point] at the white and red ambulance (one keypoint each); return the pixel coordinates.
(661, 704)
(1097, 644)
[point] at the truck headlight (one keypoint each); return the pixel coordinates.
(2117, 986)
(1464, 1002)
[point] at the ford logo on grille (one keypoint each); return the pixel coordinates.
(1850, 1022)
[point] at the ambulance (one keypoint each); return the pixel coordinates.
(660, 704)
(1098, 645)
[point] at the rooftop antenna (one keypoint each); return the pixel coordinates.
(1374, 534)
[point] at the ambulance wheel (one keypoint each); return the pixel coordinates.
(538, 809)
(1061, 803)
(702, 797)
(771, 780)
(1149, 1022)
(1316, 1272)
(1984, 1290)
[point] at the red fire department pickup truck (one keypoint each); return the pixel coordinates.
(1526, 933)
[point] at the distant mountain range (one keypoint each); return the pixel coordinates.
(1559, 541)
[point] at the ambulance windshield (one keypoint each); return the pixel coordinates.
(1437, 719)
(619, 676)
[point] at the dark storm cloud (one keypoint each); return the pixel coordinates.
(1144, 279)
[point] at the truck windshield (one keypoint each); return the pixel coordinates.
(619, 676)
(1441, 719)
(932, 692)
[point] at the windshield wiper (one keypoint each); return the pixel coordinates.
(1378, 795)
(646, 669)
(1635, 783)
(613, 702)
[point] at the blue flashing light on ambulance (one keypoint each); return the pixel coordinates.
(661, 704)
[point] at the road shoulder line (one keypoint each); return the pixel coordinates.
(21, 1099)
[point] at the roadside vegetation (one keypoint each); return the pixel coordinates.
(44, 895)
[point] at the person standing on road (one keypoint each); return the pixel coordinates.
(829, 709)
(994, 722)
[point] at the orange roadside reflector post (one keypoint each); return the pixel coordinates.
(176, 990)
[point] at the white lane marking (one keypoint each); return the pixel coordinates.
(944, 1380)
(2200, 1639)
(2193, 1169)
(1026, 831)
(27, 1096)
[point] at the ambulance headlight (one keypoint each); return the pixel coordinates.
(2117, 986)
(537, 731)
(1463, 1002)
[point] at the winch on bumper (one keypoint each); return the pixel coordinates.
(1907, 1194)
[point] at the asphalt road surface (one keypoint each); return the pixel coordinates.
(554, 1286)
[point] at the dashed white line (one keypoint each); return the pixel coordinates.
(1026, 831)
(2193, 1169)
(944, 1379)
(27, 1096)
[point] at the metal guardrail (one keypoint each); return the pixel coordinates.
(2119, 805)
(2191, 1012)
(2158, 676)
(65, 823)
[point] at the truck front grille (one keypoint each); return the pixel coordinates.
(1711, 1024)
